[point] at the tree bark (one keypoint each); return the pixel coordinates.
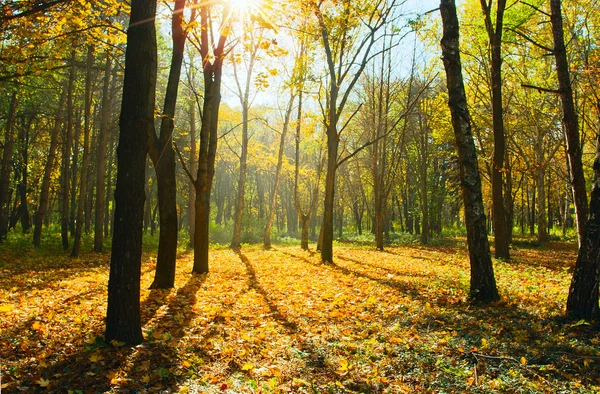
(66, 159)
(208, 139)
(163, 157)
(582, 302)
(191, 190)
(101, 159)
(273, 199)
(137, 116)
(570, 122)
(7, 155)
(86, 153)
(483, 284)
(498, 210)
(48, 168)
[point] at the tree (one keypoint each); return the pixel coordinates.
(6, 170)
(163, 157)
(86, 152)
(137, 116)
(570, 122)
(483, 283)
(348, 33)
(51, 157)
(501, 239)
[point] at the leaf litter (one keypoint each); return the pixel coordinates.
(280, 321)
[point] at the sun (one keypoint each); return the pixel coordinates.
(242, 6)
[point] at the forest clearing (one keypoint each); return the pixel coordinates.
(279, 320)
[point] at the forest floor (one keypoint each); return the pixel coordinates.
(281, 321)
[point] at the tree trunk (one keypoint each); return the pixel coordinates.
(101, 159)
(483, 284)
(86, 153)
(582, 302)
(273, 199)
(48, 168)
(137, 116)
(6, 171)
(208, 141)
(570, 122)
(498, 210)
(163, 157)
(74, 173)
(191, 190)
(541, 193)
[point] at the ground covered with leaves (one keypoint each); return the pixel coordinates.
(270, 321)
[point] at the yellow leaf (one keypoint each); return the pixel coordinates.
(483, 343)
(6, 308)
(344, 366)
(146, 379)
(36, 325)
(186, 364)
(372, 300)
(523, 361)
(184, 390)
(116, 343)
(586, 362)
(247, 367)
(95, 357)
(43, 382)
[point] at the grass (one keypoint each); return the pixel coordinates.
(281, 321)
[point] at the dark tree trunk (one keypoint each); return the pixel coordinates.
(66, 159)
(6, 171)
(570, 122)
(208, 140)
(48, 168)
(163, 158)
(137, 116)
(582, 302)
(499, 212)
(101, 159)
(74, 173)
(86, 153)
(483, 283)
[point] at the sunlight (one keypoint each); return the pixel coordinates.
(242, 6)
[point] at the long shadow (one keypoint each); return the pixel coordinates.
(389, 270)
(173, 325)
(290, 326)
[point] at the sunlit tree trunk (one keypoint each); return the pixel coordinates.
(483, 283)
(137, 116)
(191, 213)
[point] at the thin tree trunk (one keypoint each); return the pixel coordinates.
(208, 140)
(48, 168)
(273, 199)
(86, 153)
(191, 190)
(483, 284)
(123, 321)
(163, 157)
(101, 159)
(6, 171)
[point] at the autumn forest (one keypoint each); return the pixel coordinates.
(303, 196)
